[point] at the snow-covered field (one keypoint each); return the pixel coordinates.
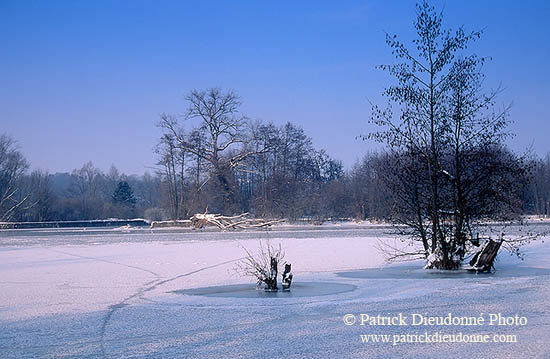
(120, 294)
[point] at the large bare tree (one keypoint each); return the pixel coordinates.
(446, 163)
(221, 139)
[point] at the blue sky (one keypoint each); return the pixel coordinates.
(87, 80)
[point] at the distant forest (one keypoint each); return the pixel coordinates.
(283, 176)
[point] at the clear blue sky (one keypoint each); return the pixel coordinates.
(86, 80)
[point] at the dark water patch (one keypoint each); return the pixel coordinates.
(301, 289)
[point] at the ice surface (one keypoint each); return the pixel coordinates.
(108, 294)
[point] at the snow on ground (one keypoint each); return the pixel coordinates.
(107, 293)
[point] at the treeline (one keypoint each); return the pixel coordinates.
(292, 180)
(84, 194)
(319, 191)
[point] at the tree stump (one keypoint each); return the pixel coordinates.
(484, 260)
(271, 281)
(287, 278)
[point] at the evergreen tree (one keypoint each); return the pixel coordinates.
(124, 195)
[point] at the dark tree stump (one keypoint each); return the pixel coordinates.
(287, 278)
(484, 260)
(271, 281)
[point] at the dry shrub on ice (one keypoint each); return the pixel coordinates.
(264, 264)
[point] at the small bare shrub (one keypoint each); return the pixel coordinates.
(263, 265)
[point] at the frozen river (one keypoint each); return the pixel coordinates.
(111, 293)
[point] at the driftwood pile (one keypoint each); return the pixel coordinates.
(201, 220)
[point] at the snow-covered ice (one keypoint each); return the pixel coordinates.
(114, 294)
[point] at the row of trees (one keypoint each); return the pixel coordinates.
(292, 180)
(86, 193)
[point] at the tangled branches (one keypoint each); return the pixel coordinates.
(263, 265)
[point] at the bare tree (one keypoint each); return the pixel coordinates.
(446, 164)
(42, 197)
(12, 167)
(226, 138)
(538, 199)
(172, 160)
(85, 184)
